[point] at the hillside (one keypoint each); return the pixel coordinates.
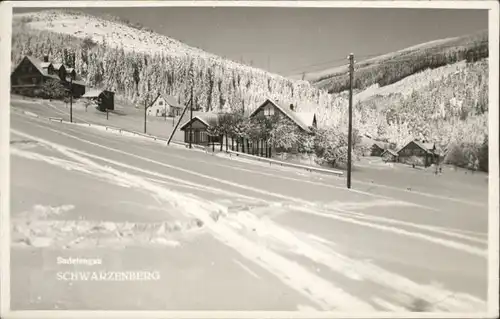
(390, 68)
(444, 101)
(143, 54)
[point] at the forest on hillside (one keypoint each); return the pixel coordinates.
(451, 110)
(385, 71)
(135, 76)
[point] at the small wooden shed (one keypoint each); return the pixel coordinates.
(105, 99)
(389, 156)
(198, 128)
(377, 149)
(421, 151)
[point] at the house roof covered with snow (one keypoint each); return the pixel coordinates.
(42, 67)
(169, 99)
(57, 66)
(45, 64)
(392, 152)
(172, 101)
(204, 117)
(304, 120)
(38, 65)
(429, 148)
(381, 145)
(93, 93)
(426, 146)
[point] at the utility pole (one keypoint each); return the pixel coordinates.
(191, 119)
(71, 99)
(178, 122)
(349, 137)
(145, 110)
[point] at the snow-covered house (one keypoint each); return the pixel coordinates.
(105, 99)
(305, 121)
(422, 152)
(389, 156)
(197, 128)
(31, 73)
(378, 148)
(165, 105)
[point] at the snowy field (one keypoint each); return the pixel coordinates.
(222, 234)
(124, 116)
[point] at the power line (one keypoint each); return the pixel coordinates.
(314, 65)
(324, 63)
(385, 63)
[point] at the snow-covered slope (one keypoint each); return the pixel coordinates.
(416, 82)
(315, 76)
(395, 66)
(119, 35)
(115, 34)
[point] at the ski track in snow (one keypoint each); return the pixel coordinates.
(230, 229)
(325, 213)
(312, 208)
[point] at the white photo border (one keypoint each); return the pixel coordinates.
(6, 8)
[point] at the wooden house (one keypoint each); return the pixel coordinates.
(425, 154)
(77, 87)
(377, 149)
(29, 76)
(104, 98)
(31, 73)
(165, 105)
(158, 107)
(197, 128)
(389, 156)
(305, 121)
(174, 107)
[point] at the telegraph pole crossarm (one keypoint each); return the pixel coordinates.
(349, 137)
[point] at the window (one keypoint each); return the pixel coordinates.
(160, 103)
(269, 110)
(33, 80)
(203, 136)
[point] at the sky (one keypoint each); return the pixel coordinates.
(290, 41)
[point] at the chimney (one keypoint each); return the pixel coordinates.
(291, 107)
(45, 58)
